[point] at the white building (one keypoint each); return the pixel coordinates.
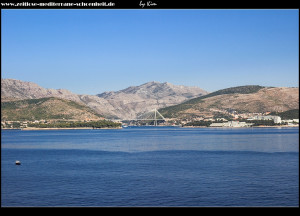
(217, 124)
(231, 124)
(276, 119)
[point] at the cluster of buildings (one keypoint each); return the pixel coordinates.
(231, 124)
(276, 119)
(19, 124)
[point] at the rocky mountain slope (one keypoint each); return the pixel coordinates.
(123, 104)
(252, 99)
(46, 109)
(136, 100)
(19, 90)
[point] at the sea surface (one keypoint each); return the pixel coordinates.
(151, 166)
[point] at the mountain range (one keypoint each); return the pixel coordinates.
(19, 98)
(123, 104)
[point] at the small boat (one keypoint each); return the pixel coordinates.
(18, 162)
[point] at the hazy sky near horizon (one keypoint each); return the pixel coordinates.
(92, 51)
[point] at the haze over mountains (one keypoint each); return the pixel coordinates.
(123, 104)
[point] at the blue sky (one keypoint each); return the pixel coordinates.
(92, 51)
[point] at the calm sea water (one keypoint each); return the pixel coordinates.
(151, 166)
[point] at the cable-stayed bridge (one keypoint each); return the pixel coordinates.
(153, 116)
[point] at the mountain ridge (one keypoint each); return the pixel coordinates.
(251, 98)
(122, 104)
(173, 101)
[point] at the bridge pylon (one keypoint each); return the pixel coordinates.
(153, 115)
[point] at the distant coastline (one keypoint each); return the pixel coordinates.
(78, 128)
(106, 128)
(263, 126)
(260, 126)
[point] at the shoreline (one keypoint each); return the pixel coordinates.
(277, 126)
(78, 128)
(107, 128)
(261, 126)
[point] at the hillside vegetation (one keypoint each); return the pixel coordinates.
(243, 99)
(46, 109)
(172, 111)
(290, 114)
